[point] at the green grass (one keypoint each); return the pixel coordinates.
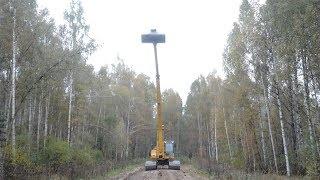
(121, 169)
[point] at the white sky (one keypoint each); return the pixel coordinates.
(196, 33)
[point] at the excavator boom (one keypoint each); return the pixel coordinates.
(158, 154)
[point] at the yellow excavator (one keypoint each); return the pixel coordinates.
(163, 153)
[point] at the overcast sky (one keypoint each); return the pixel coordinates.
(196, 33)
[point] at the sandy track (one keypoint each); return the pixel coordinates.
(186, 173)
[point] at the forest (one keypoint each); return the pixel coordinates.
(58, 115)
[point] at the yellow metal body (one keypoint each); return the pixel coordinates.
(158, 152)
(158, 155)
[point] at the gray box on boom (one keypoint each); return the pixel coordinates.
(153, 38)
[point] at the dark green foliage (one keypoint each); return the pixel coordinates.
(56, 153)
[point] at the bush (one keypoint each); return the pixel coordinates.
(21, 158)
(56, 153)
(83, 157)
(98, 156)
(19, 164)
(56, 157)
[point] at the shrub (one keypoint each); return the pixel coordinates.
(83, 157)
(21, 157)
(18, 164)
(86, 156)
(56, 153)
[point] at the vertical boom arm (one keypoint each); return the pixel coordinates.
(160, 126)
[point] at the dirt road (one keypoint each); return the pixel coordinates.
(186, 173)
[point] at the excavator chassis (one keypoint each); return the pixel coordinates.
(152, 165)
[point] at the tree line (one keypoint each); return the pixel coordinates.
(264, 115)
(58, 115)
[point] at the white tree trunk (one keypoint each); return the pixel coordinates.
(211, 143)
(59, 126)
(46, 120)
(70, 106)
(98, 124)
(263, 140)
(127, 131)
(285, 148)
(315, 96)
(208, 132)
(215, 135)
(13, 87)
(296, 114)
(199, 135)
(307, 103)
(227, 134)
(266, 98)
(39, 121)
(30, 124)
(178, 136)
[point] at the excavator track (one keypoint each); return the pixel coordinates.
(174, 165)
(150, 165)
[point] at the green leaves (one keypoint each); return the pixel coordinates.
(57, 153)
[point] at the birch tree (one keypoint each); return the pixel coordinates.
(13, 82)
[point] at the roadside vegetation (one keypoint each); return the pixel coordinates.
(263, 117)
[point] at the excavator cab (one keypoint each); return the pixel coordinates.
(169, 148)
(169, 151)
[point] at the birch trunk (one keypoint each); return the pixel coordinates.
(127, 131)
(46, 120)
(208, 138)
(13, 88)
(70, 106)
(227, 134)
(59, 126)
(199, 136)
(296, 110)
(280, 113)
(308, 104)
(315, 96)
(293, 130)
(266, 98)
(178, 136)
(212, 138)
(263, 143)
(30, 124)
(39, 121)
(98, 124)
(285, 148)
(215, 135)
(6, 106)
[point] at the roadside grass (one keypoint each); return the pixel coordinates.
(120, 169)
(254, 176)
(237, 174)
(195, 169)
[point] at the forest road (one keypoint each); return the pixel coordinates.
(163, 173)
